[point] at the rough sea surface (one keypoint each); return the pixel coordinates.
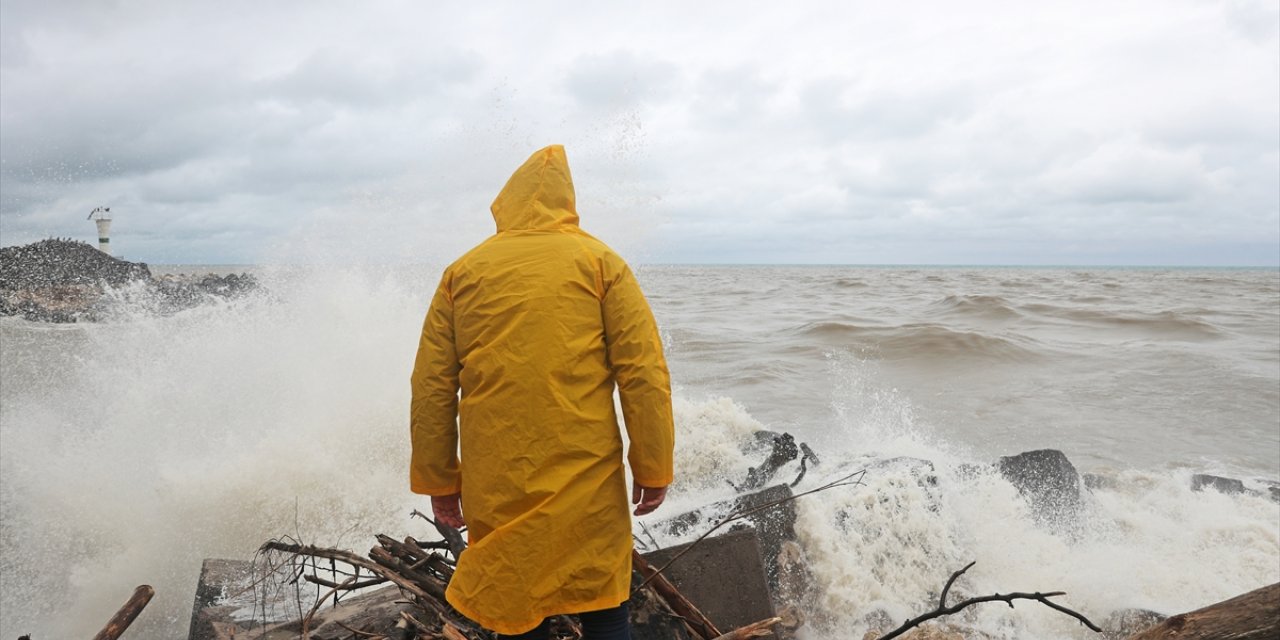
(130, 450)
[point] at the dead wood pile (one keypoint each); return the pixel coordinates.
(421, 571)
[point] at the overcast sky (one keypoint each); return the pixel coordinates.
(977, 132)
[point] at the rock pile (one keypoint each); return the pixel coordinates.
(58, 280)
(60, 263)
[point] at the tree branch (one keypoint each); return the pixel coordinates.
(1008, 598)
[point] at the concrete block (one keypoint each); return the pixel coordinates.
(723, 576)
(234, 596)
(774, 526)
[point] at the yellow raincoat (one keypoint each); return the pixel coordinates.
(535, 326)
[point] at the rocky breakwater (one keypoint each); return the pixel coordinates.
(59, 280)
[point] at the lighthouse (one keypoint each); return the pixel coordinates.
(102, 217)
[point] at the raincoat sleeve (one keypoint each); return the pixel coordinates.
(640, 371)
(433, 411)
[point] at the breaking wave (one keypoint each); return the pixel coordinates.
(920, 342)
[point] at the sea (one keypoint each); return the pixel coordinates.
(134, 448)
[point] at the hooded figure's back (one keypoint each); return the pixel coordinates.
(535, 326)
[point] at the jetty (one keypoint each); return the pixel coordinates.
(61, 280)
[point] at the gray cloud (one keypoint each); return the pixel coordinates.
(826, 133)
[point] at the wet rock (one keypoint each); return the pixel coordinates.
(56, 262)
(651, 618)
(1201, 481)
(1125, 622)
(1094, 482)
(178, 292)
(782, 449)
(796, 585)
(64, 281)
(969, 471)
(918, 468)
(778, 449)
(1050, 484)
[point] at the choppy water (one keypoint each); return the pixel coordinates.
(132, 450)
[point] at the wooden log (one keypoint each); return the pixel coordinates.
(435, 561)
(680, 604)
(426, 583)
(451, 632)
(759, 629)
(127, 613)
(1251, 616)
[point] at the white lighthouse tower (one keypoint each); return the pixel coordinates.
(102, 217)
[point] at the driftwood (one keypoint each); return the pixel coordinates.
(1008, 598)
(422, 574)
(1251, 616)
(759, 629)
(127, 613)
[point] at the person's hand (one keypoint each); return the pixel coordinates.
(448, 510)
(648, 498)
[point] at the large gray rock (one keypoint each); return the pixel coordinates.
(1050, 484)
(55, 262)
(65, 281)
(651, 618)
(1202, 481)
(1125, 622)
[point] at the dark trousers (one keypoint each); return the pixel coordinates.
(606, 624)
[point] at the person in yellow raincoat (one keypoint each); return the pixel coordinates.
(533, 328)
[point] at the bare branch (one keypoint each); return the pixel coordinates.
(1008, 598)
(353, 560)
(362, 634)
(349, 586)
(942, 601)
(306, 620)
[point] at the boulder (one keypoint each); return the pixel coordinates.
(1095, 482)
(63, 281)
(1201, 481)
(55, 262)
(1123, 623)
(1050, 484)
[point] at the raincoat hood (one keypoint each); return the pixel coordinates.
(539, 195)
